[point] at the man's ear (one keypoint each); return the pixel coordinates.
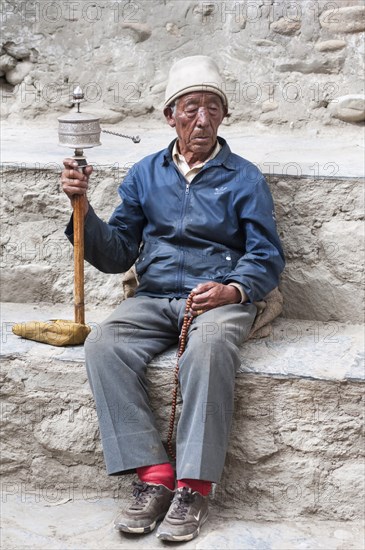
(226, 113)
(169, 117)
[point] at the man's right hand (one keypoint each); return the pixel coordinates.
(74, 182)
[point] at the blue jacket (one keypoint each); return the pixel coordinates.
(221, 227)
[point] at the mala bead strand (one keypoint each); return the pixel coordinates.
(188, 319)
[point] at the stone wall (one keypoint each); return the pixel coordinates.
(286, 63)
(295, 448)
(320, 222)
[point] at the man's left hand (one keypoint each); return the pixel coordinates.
(210, 295)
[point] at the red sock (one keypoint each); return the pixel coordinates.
(203, 487)
(159, 474)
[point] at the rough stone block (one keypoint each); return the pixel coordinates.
(317, 66)
(24, 281)
(268, 106)
(16, 76)
(349, 108)
(142, 31)
(319, 290)
(18, 51)
(60, 433)
(7, 62)
(330, 45)
(343, 19)
(344, 255)
(285, 26)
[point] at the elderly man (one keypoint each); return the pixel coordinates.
(198, 219)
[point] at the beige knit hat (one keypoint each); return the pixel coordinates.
(198, 73)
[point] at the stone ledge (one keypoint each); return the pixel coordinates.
(280, 153)
(296, 348)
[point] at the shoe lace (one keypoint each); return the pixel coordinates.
(182, 501)
(141, 492)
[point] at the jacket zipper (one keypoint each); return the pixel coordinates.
(182, 261)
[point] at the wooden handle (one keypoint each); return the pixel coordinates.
(78, 208)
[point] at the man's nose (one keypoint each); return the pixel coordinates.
(202, 117)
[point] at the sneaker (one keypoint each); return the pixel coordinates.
(187, 513)
(150, 505)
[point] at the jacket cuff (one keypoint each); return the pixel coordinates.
(244, 297)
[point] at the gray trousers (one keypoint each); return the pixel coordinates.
(117, 355)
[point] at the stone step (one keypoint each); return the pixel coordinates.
(295, 448)
(32, 520)
(316, 183)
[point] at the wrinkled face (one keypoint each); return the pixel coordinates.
(196, 118)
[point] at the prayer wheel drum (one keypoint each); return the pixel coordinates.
(79, 131)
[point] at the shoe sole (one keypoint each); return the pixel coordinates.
(181, 538)
(139, 530)
(136, 530)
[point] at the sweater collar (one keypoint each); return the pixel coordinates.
(224, 157)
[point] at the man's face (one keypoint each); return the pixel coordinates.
(196, 119)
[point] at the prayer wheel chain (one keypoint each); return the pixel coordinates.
(188, 319)
(135, 139)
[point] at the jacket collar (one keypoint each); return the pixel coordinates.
(224, 157)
